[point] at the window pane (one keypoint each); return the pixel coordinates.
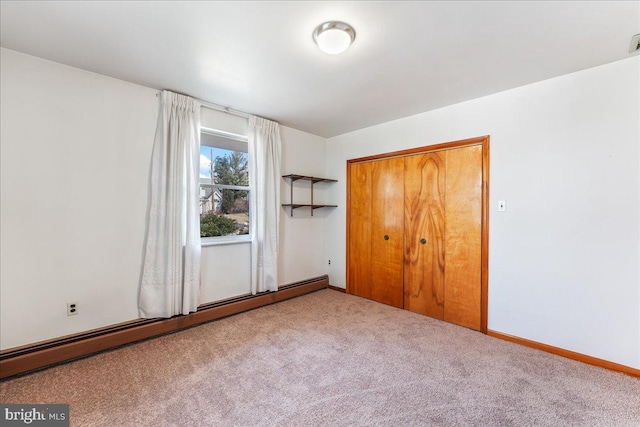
(220, 166)
(223, 212)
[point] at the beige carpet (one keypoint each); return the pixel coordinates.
(330, 359)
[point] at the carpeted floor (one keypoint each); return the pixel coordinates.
(330, 359)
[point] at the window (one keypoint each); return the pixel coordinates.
(224, 185)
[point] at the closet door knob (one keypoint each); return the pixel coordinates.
(386, 237)
(423, 241)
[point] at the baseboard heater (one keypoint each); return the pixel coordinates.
(41, 355)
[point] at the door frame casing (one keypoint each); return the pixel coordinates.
(484, 142)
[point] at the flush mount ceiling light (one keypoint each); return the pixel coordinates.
(334, 37)
(635, 43)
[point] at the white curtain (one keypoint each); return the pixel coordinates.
(264, 178)
(171, 271)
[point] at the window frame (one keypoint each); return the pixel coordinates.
(216, 133)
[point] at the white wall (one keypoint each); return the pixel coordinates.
(564, 258)
(226, 268)
(75, 156)
(302, 236)
(225, 271)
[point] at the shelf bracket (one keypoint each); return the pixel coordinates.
(293, 178)
(312, 182)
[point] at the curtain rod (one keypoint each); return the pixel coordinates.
(217, 107)
(223, 109)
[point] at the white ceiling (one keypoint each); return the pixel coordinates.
(259, 57)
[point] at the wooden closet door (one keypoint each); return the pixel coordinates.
(359, 267)
(387, 231)
(424, 257)
(463, 241)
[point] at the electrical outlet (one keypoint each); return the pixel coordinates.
(329, 262)
(72, 308)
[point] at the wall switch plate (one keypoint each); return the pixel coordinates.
(502, 205)
(72, 308)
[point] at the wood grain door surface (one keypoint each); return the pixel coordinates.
(359, 268)
(424, 219)
(463, 247)
(387, 230)
(415, 233)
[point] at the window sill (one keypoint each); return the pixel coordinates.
(227, 240)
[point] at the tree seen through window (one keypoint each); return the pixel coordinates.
(224, 192)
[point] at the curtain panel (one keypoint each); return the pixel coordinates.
(170, 282)
(264, 178)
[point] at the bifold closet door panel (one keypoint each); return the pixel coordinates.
(463, 237)
(424, 256)
(387, 231)
(360, 230)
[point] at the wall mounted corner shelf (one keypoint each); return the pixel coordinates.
(294, 177)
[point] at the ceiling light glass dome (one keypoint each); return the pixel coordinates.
(334, 37)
